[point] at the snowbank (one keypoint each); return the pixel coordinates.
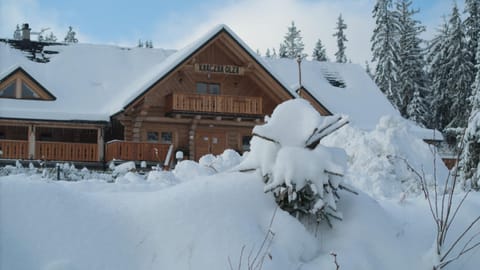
(379, 161)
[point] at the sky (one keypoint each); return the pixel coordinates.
(174, 24)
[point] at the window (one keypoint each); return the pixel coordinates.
(208, 88)
(9, 91)
(152, 136)
(166, 137)
(27, 92)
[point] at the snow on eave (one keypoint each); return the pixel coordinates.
(175, 60)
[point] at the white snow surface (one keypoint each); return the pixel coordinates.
(201, 215)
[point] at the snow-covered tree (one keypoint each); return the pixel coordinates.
(149, 44)
(274, 53)
(385, 48)
(438, 76)
(17, 34)
(140, 44)
(470, 160)
(410, 63)
(319, 53)
(268, 54)
(460, 68)
(303, 175)
(472, 26)
(341, 39)
(51, 38)
(70, 37)
(292, 45)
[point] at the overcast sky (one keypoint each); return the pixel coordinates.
(175, 23)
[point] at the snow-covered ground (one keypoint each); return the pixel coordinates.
(207, 215)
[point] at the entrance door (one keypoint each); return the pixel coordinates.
(209, 142)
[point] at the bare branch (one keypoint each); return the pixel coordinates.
(460, 238)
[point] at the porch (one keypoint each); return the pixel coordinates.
(55, 142)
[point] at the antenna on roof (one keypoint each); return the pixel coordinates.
(299, 61)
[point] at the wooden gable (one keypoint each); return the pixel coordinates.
(18, 84)
(221, 63)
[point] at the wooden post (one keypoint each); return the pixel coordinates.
(100, 143)
(31, 142)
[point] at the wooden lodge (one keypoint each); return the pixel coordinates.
(202, 99)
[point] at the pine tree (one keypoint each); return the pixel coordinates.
(412, 80)
(438, 76)
(17, 35)
(292, 45)
(472, 26)
(268, 54)
(470, 159)
(341, 39)
(70, 37)
(274, 53)
(51, 38)
(384, 49)
(319, 53)
(140, 44)
(460, 68)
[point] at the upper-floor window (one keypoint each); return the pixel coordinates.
(18, 89)
(208, 88)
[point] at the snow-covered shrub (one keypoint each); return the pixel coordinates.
(303, 175)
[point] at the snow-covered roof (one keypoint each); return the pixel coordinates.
(357, 96)
(343, 88)
(93, 82)
(87, 80)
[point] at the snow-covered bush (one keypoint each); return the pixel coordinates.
(303, 175)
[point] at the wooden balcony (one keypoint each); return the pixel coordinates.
(136, 151)
(214, 104)
(66, 151)
(14, 149)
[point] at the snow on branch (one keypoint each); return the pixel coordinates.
(303, 175)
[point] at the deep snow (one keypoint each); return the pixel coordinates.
(202, 215)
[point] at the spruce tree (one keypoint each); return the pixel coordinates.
(341, 39)
(470, 160)
(319, 53)
(140, 44)
(17, 34)
(292, 45)
(70, 37)
(51, 38)
(268, 54)
(384, 49)
(412, 81)
(472, 26)
(460, 68)
(438, 76)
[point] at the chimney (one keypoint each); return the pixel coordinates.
(25, 32)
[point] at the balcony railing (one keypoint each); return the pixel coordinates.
(136, 151)
(216, 104)
(14, 149)
(66, 151)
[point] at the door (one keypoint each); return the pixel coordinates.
(209, 142)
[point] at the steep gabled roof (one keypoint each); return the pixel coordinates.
(163, 69)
